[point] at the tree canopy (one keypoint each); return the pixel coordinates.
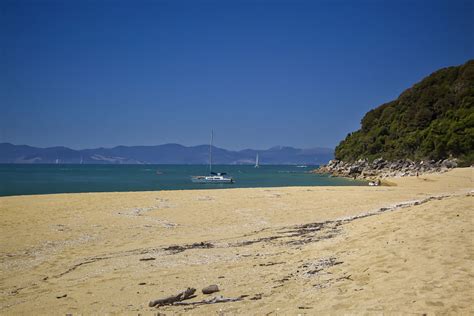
(434, 119)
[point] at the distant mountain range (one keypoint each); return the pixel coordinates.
(161, 154)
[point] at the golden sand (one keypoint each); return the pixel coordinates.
(407, 248)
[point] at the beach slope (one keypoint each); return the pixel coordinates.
(296, 250)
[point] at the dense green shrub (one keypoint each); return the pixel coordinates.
(432, 120)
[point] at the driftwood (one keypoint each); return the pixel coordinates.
(214, 300)
(187, 294)
(148, 259)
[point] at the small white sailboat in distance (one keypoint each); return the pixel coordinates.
(213, 177)
(256, 162)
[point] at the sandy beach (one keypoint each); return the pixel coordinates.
(406, 248)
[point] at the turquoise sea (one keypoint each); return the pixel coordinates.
(45, 179)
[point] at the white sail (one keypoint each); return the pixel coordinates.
(256, 162)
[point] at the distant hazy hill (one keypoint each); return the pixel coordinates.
(432, 120)
(162, 154)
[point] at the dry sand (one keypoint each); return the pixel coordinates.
(298, 250)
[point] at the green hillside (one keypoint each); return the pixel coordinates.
(432, 120)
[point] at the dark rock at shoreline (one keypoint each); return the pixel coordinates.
(380, 168)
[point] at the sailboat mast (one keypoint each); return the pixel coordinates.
(210, 151)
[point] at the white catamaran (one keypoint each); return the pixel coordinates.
(213, 177)
(256, 162)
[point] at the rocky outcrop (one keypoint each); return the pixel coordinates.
(380, 168)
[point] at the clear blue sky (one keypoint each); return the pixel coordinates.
(260, 73)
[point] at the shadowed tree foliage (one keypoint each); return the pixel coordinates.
(432, 120)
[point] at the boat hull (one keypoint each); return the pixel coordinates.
(210, 180)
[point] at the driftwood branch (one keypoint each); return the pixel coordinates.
(187, 294)
(214, 300)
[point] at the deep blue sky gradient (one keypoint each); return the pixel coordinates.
(260, 73)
